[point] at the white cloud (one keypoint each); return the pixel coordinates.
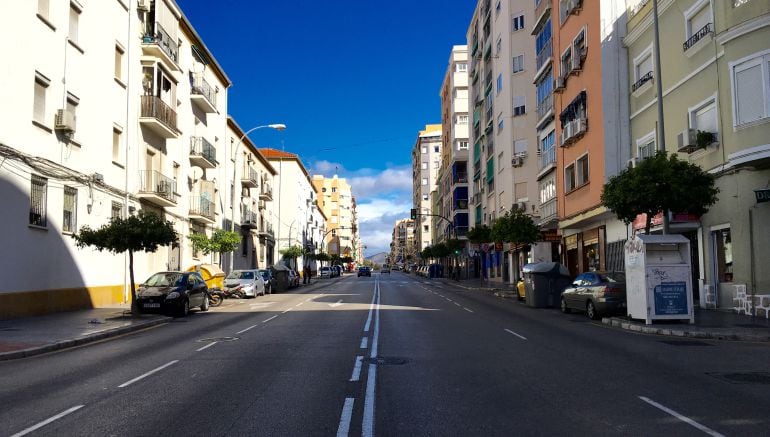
(329, 168)
(389, 181)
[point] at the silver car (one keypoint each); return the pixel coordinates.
(249, 281)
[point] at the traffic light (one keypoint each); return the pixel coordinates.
(414, 214)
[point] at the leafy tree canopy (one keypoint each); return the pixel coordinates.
(440, 250)
(427, 253)
(221, 241)
(659, 183)
(515, 227)
(479, 234)
(292, 252)
(455, 245)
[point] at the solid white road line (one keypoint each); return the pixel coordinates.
(47, 421)
(308, 299)
(364, 342)
(685, 419)
(376, 335)
(368, 422)
(371, 309)
(467, 309)
(299, 304)
(207, 346)
(517, 335)
(284, 312)
(271, 318)
(347, 414)
(126, 384)
(336, 304)
(244, 330)
(357, 369)
(457, 304)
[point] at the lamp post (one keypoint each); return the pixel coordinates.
(276, 126)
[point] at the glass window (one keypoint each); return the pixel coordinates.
(704, 118)
(42, 8)
(424, 165)
(519, 106)
(461, 66)
(582, 170)
(750, 103)
(518, 63)
(38, 109)
(117, 140)
(499, 83)
(724, 254)
(644, 66)
(517, 23)
(116, 211)
(647, 148)
(569, 178)
(74, 23)
(37, 207)
(118, 62)
(69, 221)
(698, 20)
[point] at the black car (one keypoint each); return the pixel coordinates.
(364, 271)
(267, 276)
(173, 292)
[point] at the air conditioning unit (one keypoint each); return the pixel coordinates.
(581, 126)
(576, 64)
(567, 133)
(517, 161)
(143, 5)
(522, 206)
(65, 121)
(558, 85)
(686, 141)
(631, 163)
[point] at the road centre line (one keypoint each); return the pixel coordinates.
(517, 335)
(47, 421)
(364, 342)
(685, 419)
(467, 309)
(371, 308)
(158, 369)
(207, 346)
(367, 426)
(457, 304)
(244, 330)
(347, 414)
(357, 369)
(271, 318)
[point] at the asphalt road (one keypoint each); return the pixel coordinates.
(388, 355)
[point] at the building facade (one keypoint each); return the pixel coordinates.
(426, 159)
(402, 246)
(337, 202)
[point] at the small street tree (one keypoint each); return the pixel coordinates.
(515, 227)
(144, 232)
(427, 253)
(292, 253)
(659, 183)
(221, 242)
(479, 234)
(440, 250)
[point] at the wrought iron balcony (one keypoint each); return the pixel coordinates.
(161, 45)
(203, 94)
(642, 80)
(249, 219)
(159, 117)
(249, 177)
(157, 188)
(266, 192)
(202, 153)
(544, 109)
(548, 157)
(544, 55)
(705, 30)
(202, 209)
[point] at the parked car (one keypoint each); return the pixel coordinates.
(364, 271)
(249, 282)
(596, 293)
(267, 276)
(385, 269)
(325, 272)
(173, 292)
(293, 279)
(339, 270)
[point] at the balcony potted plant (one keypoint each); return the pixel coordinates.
(703, 139)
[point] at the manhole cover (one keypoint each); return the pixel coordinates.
(217, 339)
(685, 343)
(743, 377)
(388, 361)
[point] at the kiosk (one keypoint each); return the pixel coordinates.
(658, 278)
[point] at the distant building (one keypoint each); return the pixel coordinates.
(335, 197)
(426, 159)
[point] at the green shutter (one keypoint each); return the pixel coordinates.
(491, 169)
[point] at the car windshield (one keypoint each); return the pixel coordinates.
(239, 274)
(612, 277)
(265, 274)
(166, 279)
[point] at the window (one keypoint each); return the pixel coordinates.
(462, 145)
(518, 63)
(424, 149)
(436, 148)
(72, 104)
(38, 109)
(461, 67)
(462, 119)
(703, 117)
(750, 83)
(520, 147)
(117, 144)
(646, 146)
(643, 64)
(581, 170)
(579, 45)
(37, 198)
(116, 211)
(499, 83)
(566, 62)
(425, 228)
(425, 181)
(69, 221)
(74, 22)
(723, 249)
(119, 51)
(697, 17)
(424, 166)
(500, 166)
(519, 106)
(569, 178)
(517, 22)
(424, 197)
(436, 164)
(499, 46)
(334, 189)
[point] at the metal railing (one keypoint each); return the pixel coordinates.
(163, 39)
(200, 146)
(642, 80)
(548, 210)
(202, 206)
(548, 157)
(266, 189)
(248, 217)
(250, 174)
(460, 178)
(153, 181)
(158, 109)
(544, 106)
(705, 30)
(541, 6)
(201, 87)
(545, 54)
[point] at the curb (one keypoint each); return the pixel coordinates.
(64, 344)
(682, 333)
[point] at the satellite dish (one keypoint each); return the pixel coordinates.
(196, 173)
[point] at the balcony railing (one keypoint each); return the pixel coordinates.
(202, 88)
(164, 41)
(548, 211)
(156, 183)
(249, 218)
(202, 207)
(250, 176)
(460, 178)
(545, 54)
(541, 7)
(544, 107)
(705, 30)
(200, 146)
(548, 157)
(266, 191)
(642, 80)
(156, 108)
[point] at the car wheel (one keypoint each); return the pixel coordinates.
(205, 306)
(591, 311)
(564, 308)
(185, 309)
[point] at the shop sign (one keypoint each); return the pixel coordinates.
(763, 195)
(549, 235)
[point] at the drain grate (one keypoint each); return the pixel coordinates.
(743, 377)
(217, 339)
(686, 343)
(388, 361)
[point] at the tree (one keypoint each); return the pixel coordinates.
(515, 227)
(659, 183)
(440, 250)
(221, 241)
(479, 234)
(322, 256)
(292, 253)
(144, 232)
(427, 253)
(455, 246)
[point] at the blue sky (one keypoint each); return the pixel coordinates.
(354, 81)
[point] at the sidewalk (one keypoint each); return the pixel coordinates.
(709, 324)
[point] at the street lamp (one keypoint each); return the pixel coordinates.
(276, 126)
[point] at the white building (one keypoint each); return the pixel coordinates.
(426, 160)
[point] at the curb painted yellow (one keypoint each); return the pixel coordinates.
(40, 302)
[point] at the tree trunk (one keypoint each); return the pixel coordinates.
(134, 307)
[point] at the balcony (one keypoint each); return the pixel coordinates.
(202, 210)
(157, 116)
(249, 219)
(160, 45)
(544, 57)
(545, 111)
(542, 12)
(203, 95)
(266, 193)
(573, 130)
(460, 178)
(266, 230)
(249, 177)
(708, 29)
(202, 153)
(547, 159)
(548, 212)
(157, 188)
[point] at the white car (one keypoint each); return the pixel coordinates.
(249, 281)
(326, 272)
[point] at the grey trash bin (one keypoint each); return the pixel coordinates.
(280, 278)
(544, 283)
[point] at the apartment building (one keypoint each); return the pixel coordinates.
(452, 177)
(140, 81)
(402, 246)
(715, 77)
(426, 160)
(505, 147)
(591, 108)
(357, 246)
(299, 221)
(337, 202)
